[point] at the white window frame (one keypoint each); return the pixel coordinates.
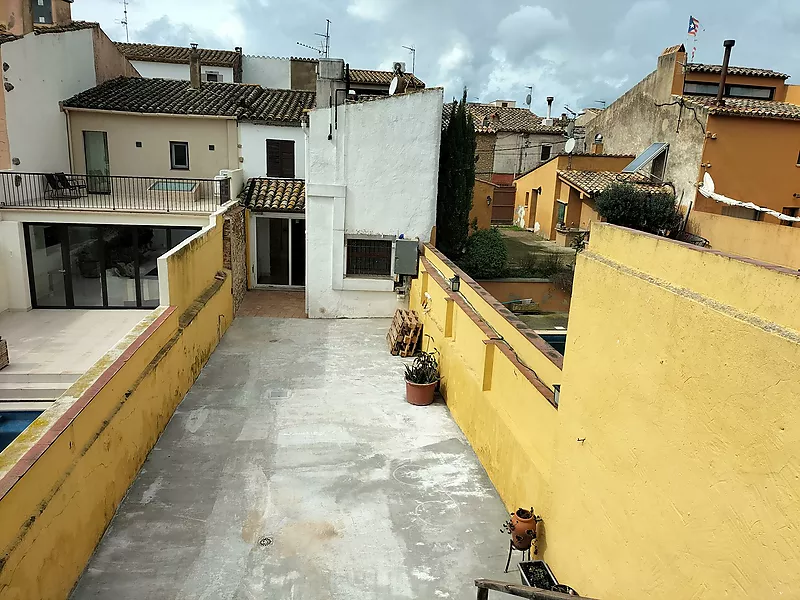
(172, 165)
(375, 238)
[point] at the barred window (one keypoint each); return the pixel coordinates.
(369, 257)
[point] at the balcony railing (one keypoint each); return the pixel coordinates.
(112, 192)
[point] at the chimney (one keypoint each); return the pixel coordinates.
(194, 67)
(724, 75)
(237, 71)
(549, 106)
(597, 145)
(27, 17)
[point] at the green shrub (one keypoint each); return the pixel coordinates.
(486, 254)
(628, 206)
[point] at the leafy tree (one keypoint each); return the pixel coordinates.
(629, 206)
(486, 254)
(456, 180)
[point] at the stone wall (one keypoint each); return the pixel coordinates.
(233, 252)
(485, 151)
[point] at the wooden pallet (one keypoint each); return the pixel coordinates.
(405, 333)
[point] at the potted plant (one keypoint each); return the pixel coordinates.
(421, 378)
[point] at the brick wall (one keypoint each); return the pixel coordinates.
(233, 249)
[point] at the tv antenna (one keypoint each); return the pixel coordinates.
(413, 51)
(603, 102)
(324, 48)
(124, 20)
(529, 97)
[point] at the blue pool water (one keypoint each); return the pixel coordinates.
(173, 186)
(12, 423)
(557, 340)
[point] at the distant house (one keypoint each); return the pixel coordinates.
(172, 62)
(512, 140)
(369, 82)
(747, 141)
(47, 57)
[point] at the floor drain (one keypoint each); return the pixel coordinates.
(265, 541)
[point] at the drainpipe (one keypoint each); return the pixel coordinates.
(194, 67)
(724, 76)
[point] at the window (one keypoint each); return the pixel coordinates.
(42, 11)
(138, 144)
(798, 159)
(211, 147)
(741, 212)
(213, 76)
(562, 212)
(527, 198)
(703, 89)
(280, 158)
(731, 90)
(546, 151)
(659, 166)
(179, 155)
(790, 211)
(371, 258)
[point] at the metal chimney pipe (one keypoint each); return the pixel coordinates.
(549, 105)
(724, 75)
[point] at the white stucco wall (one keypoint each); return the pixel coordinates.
(254, 147)
(15, 293)
(44, 69)
(377, 177)
(154, 70)
(267, 71)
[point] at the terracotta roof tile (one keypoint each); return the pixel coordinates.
(594, 182)
(380, 77)
(717, 69)
(171, 96)
(489, 118)
(745, 107)
(40, 29)
(674, 49)
(268, 194)
(178, 54)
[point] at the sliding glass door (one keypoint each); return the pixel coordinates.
(97, 266)
(280, 251)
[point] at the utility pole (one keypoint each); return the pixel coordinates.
(326, 45)
(413, 51)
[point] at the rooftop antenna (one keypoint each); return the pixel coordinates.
(603, 102)
(413, 51)
(124, 20)
(325, 45)
(529, 97)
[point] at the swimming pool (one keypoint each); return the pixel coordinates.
(12, 423)
(167, 185)
(557, 340)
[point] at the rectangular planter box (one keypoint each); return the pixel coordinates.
(3, 353)
(547, 577)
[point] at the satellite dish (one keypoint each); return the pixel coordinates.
(528, 99)
(393, 85)
(569, 146)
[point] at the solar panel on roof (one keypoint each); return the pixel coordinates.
(646, 157)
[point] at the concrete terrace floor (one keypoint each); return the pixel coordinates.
(294, 469)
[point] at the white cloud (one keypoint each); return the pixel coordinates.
(454, 58)
(370, 10)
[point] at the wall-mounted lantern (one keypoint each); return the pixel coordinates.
(455, 283)
(488, 200)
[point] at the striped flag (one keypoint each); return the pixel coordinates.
(694, 26)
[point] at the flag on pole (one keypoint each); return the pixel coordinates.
(694, 26)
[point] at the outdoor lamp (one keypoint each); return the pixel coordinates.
(455, 283)
(488, 200)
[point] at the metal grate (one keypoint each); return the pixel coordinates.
(369, 257)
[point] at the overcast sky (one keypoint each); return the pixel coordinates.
(578, 51)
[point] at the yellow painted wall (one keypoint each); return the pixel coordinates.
(508, 421)
(793, 94)
(55, 514)
(777, 244)
(543, 292)
(155, 133)
(481, 210)
(681, 375)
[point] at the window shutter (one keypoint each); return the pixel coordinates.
(287, 158)
(273, 158)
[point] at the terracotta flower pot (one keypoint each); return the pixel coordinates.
(523, 529)
(420, 394)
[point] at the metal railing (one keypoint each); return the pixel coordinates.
(520, 591)
(112, 192)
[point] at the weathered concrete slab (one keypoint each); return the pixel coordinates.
(295, 469)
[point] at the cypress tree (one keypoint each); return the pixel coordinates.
(456, 180)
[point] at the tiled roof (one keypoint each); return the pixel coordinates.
(40, 29)
(177, 54)
(717, 69)
(171, 96)
(594, 182)
(489, 118)
(745, 107)
(266, 194)
(674, 49)
(380, 77)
